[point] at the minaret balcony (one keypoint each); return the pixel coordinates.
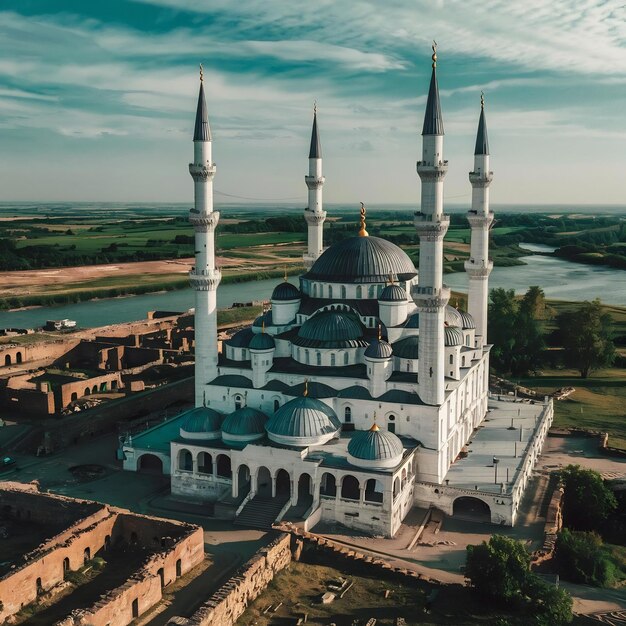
(314, 217)
(430, 299)
(202, 171)
(314, 182)
(205, 280)
(432, 172)
(480, 179)
(476, 220)
(204, 222)
(478, 268)
(431, 227)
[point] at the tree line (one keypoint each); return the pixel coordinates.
(517, 331)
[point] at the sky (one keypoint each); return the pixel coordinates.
(97, 99)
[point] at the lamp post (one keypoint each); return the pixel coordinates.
(495, 467)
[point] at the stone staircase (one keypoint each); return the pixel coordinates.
(614, 618)
(261, 512)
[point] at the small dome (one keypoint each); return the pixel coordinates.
(243, 426)
(362, 260)
(331, 329)
(240, 339)
(468, 321)
(303, 421)
(392, 293)
(453, 316)
(201, 423)
(262, 341)
(265, 318)
(286, 291)
(453, 336)
(407, 348)
(378, 349)
(375, 448)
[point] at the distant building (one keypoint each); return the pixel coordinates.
(350, 399)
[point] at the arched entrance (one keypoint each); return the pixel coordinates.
(264, 483)
(243, 481)
(350, 489)
(283, 483)
(472, 509)
(150, 464)
(7, 359)
(373, 491)
(223, 466)
(328, 485)
(304, 490)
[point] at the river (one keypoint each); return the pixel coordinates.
(560, 279)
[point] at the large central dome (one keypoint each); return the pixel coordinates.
(362, 260)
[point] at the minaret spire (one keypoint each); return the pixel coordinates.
(314, 214)
(478, 267)
(204, 276)
(431, 295)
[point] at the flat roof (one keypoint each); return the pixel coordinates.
(495, 438)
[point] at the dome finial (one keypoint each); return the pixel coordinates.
(305, 393)
(482, 99)
(285, 276)
(374, 428)
(434, 57)
(362, 231)
(380, 331)
(201, 73)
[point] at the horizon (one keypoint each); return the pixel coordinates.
(99, 99)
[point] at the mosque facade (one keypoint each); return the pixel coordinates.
(352, 396)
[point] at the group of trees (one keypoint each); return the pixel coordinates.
(590, 509)
(499, 571)
(516, 330)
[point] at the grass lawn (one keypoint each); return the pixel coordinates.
(599, 402)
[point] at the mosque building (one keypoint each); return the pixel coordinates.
(351, 398)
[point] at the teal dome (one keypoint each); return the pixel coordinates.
(201, 423)
(407, 348)
(286, 291)
(453, 336)
(362, 260)
(240, 339)
(378, 349)
(243, 426)
(375, 448)
(331, 329)
(262, 341)
(393, 293)
(303, 421)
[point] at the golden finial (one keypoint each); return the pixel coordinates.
(374, 428)
(305, 393)
(434, 57)
(201, 73)
(263, 326)
(362, 231)
(391, 279)
(380, 331)
(285, 276)
(482, 99)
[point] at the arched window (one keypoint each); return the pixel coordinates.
(238, 402)
(333, 360)
(451, 359)
(350, 488)
(318, 356)
(306, 357)
(330, 291)
(463, 361)
(346, 358)
(276, 405)
(359, 292)
(185, 461)
(315, 290)
(371, 291)
(343, 291)
(347, 415)
(205, 463)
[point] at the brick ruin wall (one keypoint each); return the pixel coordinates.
(229, 602)
(178, 548)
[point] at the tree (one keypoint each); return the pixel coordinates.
(517, 339)
(551, 605)
(586, 337)
(587, 501)
(534, 302)
(499, 569)
(581, 558)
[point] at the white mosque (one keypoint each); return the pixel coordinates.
(359, 392)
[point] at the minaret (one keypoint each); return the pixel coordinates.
(204, 277)
(431, 295)
(314, 214)
(478, 267)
